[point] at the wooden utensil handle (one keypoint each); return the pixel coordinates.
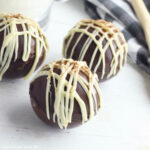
(141, 11)
(144, 17)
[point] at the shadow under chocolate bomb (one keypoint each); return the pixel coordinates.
(100, 44)
(23, 46)
(65, 93)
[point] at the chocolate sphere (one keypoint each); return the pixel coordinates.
(23, 46)
(100, 44)
(65, 93)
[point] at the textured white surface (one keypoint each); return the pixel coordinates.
(122, 124)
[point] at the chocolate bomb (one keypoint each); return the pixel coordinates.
(65, 93)
(100, 44)
(23, 46)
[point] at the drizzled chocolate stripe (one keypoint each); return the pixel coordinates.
(12, 27)
(95, 39)
(68, 78)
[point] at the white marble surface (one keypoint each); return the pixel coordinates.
(122, 124)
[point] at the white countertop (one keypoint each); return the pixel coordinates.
(123, 123)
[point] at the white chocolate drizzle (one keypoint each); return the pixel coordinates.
(64, 99)
(105, 31)
(10, 44)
